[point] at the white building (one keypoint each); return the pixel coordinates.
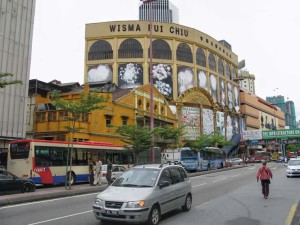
(162, 11)
(16, 30)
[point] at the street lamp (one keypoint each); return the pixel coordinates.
(151, 80)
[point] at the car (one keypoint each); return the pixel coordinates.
(236, 161)
(280, 160)
(117, 171)
(293, 167)
(144, 193)
(10, 184)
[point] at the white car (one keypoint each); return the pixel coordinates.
(236, 161)
(117, 171)
(144, 193)
(293, 167)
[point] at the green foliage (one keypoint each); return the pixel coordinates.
(4, 83)
(170, 134)
(136, 138)
(78, 107)
(293, 147)
(211, 140)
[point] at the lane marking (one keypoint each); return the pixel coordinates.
(289, 219)
(62, 217)
(219, 180)
(45, 201)
(198, 185)
(235, 175)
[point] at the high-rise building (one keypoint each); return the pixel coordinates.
(162, 11)
(16, 30)
(287, 107)
(247, 82)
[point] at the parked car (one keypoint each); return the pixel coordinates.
(9, 183)
(144, 193)
(280, 160)
(293, 167)
(117, 171)
(236, 161)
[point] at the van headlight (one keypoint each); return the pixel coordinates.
(137, 204)
(98, 202)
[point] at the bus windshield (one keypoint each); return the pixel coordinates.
(188, 153)
(19, 150)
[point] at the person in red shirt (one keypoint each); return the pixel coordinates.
(264, 174)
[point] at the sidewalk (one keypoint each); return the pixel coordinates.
(45, 193)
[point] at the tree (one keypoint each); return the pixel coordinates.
(200, 143)
(217, 140)
(4, 83)
(76, 109)
(136, 138)
(170, 134)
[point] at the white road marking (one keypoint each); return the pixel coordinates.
(235, 175)
(199, 185)
(219, 179)
(50, 200)
(58, 218)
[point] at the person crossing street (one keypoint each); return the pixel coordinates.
(264, 173)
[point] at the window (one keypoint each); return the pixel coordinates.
(124, 120)
(52, 116)
(200, 57)
(212, 62)
(175, 175)
(130, 48)
(85, 118)
(100, 50)
(108, 119)
(184, 53)
(63, 115)
(160, 50)
(228, 72)
(220, 67)
(40, 117)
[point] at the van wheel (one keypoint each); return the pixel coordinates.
(188, 203)
(154, 216)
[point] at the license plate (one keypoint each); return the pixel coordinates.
(111, 212)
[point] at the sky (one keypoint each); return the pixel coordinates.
(266, 33)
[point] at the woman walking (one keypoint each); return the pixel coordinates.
(264, 174)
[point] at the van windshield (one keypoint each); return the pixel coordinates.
(138, 177)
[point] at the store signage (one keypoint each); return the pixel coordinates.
(252, 134)
(290, 133)
(155, 28)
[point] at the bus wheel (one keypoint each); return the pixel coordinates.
(73, 179)
(222, 166)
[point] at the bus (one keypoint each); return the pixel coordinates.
(206, 159)
(185, 156)
(47, 162)
(211, 158)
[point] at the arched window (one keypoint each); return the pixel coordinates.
(130, 48)
(160, 50)
(212, 62)
(184, 53)
(200, 57)
(228, 72)
(100, 50)
(220, 67)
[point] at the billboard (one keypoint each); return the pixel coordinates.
(100, 73)
(185, 79)
(190, 118)
(162, 79)
(213, 87)
(130, 75)
(252, 134)
(202, 79)
(208, 121)
(220, 123)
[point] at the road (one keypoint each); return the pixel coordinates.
(230, 197)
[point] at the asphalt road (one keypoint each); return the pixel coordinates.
(231, 197)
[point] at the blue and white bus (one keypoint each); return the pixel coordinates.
(211, 158)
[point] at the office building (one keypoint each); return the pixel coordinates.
(162, 11)
(16, 29)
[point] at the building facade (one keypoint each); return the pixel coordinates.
(162, 11)
(193, 70)
(16, 28)
(247, 81)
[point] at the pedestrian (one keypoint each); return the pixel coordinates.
(91, 172)
(98, 172)
(109, 171)
(264, 174)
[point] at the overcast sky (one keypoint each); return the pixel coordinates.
(266, 33)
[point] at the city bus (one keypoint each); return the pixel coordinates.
(206, 159)
(47, 162)
(211, 158)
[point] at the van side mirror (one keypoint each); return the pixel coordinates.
(163, 184)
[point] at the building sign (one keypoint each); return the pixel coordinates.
(252, 134)
(273, 134)
(208, 121)
(190, 118)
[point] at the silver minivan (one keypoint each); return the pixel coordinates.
(144, 193)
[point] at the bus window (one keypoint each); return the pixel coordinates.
(19, 151)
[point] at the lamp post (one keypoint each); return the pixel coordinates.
(151, 79)
(274, 121)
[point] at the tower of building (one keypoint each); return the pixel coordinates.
(248, 81)
(162, 11)
(16, 29)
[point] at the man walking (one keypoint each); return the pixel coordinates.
(91, 171)
(264, 174)
(98, 173)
